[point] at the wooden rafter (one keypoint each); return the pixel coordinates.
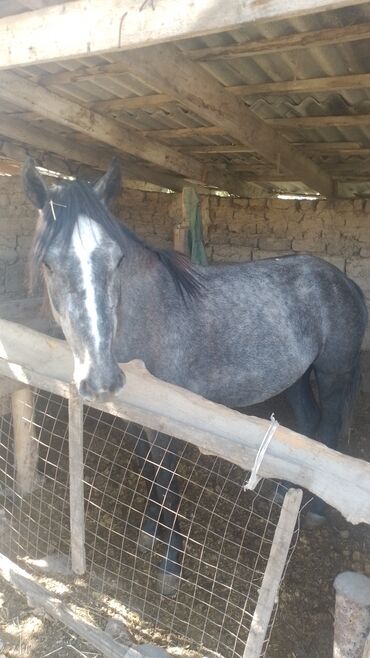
(166, 68)
(322, 147)
(97, 158)
(340, 121)
(308, 86)
(290, 123)
(53, 107)
(39, 36)
(17, 153)
(286, 43)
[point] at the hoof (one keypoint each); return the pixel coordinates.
(146, 541)
(279, 495)
(168, 584)
(313, 521)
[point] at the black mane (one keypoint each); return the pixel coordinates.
(70, 200)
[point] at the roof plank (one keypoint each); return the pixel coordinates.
(39, 36)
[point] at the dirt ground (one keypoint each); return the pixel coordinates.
(304, 623)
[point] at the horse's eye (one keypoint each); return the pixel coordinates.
(120, 261)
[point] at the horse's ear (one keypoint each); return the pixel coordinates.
(109, 185)
(33, 184)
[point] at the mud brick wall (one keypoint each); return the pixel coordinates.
(17, 225)
(235, 230)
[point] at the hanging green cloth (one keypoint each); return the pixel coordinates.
(192, 213)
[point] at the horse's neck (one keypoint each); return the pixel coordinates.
(146, 288)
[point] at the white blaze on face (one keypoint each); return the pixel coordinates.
(86, 238)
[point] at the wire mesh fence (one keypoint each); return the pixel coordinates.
(226, 533)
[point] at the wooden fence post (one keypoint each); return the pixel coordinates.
(76, 485)
(25, 443)
(274, 571)
(352, 615)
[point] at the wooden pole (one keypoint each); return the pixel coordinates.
(25, 443)
(366, 653)
(180, 238)
(181, 231)
(352, 615)
(76, 485)
(274, 571)
(38, 596)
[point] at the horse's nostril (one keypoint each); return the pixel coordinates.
(90, 389)
(85, 390)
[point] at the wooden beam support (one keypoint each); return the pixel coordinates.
(117, 105)
(16, 152)
(291, 123)
(288, 42)
(315, 147)
(166, 68)
(311, 85)
(48, 104)
(97, 158)
(39, 36)
(340, 121)
(80, 74)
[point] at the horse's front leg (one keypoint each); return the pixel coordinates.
(149, 526)
(164, 454)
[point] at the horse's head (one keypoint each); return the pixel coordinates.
(78, 248)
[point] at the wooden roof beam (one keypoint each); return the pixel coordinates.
(97, 158)
(286, 43)
(166, 68)
(63, 111)
(39, 36)
(290, 123)
(315, 147)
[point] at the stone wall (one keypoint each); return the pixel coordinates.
(235, 230)
(17, 224)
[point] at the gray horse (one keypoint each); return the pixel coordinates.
(236, 334)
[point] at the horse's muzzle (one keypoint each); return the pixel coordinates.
(102, 389)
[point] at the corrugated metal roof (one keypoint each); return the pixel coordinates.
(317, 61)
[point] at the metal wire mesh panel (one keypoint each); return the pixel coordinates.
(226, 533)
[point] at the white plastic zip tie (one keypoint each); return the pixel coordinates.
(52, 204)
(254, 477)
(52, 210)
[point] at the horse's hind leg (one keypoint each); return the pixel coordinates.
(165, 455)
(306, 414)
(336, 395)
(305, 409)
